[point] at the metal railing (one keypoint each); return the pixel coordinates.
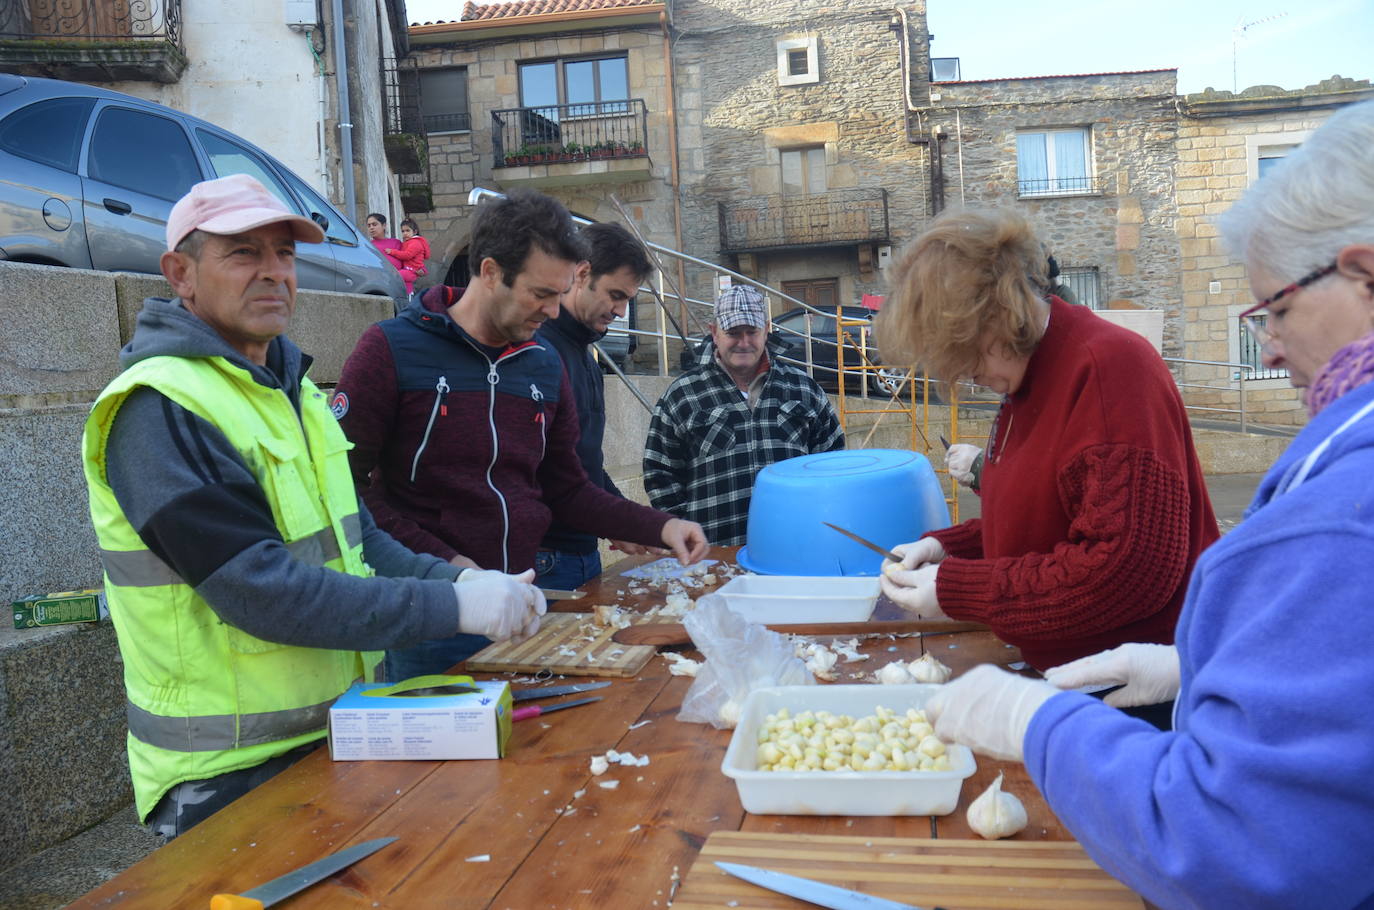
(837, 217)
(401, 97)
(1232, 379)
(1252, 354)
(1059, 186)
(92, 19)
(569, 132)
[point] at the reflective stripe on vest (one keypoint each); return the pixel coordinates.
(215, 732)
(145, 569)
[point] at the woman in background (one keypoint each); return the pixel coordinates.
(410, 258)
(376, 230)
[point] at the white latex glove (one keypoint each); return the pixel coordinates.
(1148, 673)
(914, 590)
(959, 459)
(915, 554)
(498, 605)
(988, 710)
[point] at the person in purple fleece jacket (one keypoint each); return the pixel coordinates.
(1262, 796)
(464, 424)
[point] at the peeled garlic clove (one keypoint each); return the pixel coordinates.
(894, 674)
(928, 669)
(996, 814)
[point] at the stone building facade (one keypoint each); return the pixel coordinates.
(494, 46)
(1225, 142)
(797, 168)
(1108, 213)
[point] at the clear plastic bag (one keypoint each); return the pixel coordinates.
(740, 657)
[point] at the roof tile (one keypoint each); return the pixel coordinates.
(472, 11)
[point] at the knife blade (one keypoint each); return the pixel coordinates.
(282, 887)
(553, 691)
(946, 442)
(529, 711)
(811, 891)
(864, 542)
(556, 594)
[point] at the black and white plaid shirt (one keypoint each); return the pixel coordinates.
(707, 441)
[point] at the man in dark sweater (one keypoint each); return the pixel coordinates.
(604, 287)
(464, 425)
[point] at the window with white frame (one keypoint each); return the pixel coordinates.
(1053, 162)
(798, 61)
(1263, 151)
(803, 170)
(444, 99)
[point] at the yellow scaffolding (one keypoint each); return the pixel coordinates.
(853, 334)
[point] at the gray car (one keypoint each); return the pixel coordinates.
(88, 177)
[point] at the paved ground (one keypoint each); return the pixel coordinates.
(59, 875)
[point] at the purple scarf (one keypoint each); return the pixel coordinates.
(1350, 367)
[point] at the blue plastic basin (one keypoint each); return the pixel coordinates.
(890, 496)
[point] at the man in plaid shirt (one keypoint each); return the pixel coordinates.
(730, 416)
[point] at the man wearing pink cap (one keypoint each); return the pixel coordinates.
(246, 581)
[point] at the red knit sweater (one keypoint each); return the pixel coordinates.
(1094, 507)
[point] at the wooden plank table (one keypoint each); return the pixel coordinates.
(534, 829)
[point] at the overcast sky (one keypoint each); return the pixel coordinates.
(1289, 43)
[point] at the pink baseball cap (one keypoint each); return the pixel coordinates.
(233, 205)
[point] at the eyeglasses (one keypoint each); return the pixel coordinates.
(1255, 320)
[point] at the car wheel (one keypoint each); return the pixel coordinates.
(887, 380)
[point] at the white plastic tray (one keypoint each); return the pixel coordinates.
(840, 792)
(801, 598)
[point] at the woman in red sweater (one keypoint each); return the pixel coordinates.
(1093, 503)
(410, 258)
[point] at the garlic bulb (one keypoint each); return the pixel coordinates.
(928, 669)
(996, 814)
(820, 660)
(894, 674)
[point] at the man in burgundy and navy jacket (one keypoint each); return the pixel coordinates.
(465, 427)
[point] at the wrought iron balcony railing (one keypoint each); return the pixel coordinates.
(407, 144)
(1059, 186)
(834, 218)
(91, 40)
(100, 19)
(569, 132)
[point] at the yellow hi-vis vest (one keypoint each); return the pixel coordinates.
(206, 698)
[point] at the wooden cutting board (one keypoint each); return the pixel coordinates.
(954, 874)
(567, 644)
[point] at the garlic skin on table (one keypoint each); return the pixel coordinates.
(928, 669)
(995, 813)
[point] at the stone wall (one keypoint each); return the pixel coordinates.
(735, 118)
(1221, 136)
(1125, 226)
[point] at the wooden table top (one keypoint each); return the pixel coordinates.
(534, 829)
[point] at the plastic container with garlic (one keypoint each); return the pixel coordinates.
(880, 786)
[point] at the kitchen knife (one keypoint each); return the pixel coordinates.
(282, 887)
(529, 711)
(946, 442)
(555, 594)
(867, 543)
(818, 893)
(553, 691)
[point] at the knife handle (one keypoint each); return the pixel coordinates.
(234, 902)
(524, 713)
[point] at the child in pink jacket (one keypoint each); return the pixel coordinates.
(410, 258)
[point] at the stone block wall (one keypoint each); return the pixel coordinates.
(1221, 137)
(735, 119)
(1125, 227)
